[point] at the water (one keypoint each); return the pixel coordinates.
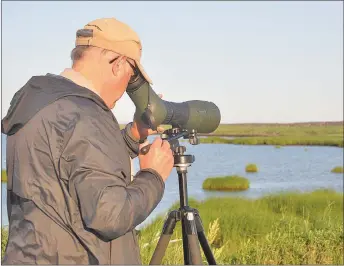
(294, 168)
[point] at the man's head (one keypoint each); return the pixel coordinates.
(108, 53)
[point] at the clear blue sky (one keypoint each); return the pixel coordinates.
(258, 61)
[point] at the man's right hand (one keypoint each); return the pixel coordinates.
(158, 158)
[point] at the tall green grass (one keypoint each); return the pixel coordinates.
(4, 237)
(226, 183)
(290, 228)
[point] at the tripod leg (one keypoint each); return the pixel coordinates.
(194, 253)
(203, 240)
(186, 250)
(165, 237)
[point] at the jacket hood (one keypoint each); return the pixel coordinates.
(36, 94)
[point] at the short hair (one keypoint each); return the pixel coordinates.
(79, 51)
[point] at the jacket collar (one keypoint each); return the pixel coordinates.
(79, 79)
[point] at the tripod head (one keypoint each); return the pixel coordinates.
(172, 135)
(181, 160)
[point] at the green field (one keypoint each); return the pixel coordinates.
(332, 129)
(279, 141)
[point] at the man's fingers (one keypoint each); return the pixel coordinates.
(166, 145)
(160, 129)
(157, 142)
(151, 132)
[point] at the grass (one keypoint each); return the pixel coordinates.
(3, 176)
(215, 140)
(287, 228)
(251, 168)
(4, 237)
(335, 141)
(338, 169)
(226, 183)
(290, 228)
(288, 129)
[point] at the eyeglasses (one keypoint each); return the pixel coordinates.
(134, 68)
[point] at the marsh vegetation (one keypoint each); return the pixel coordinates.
(289, 228)
(226, 183)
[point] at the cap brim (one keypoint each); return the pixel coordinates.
(143, 72)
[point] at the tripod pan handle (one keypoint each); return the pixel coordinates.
(144, 150)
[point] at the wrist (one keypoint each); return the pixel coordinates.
(133, 134)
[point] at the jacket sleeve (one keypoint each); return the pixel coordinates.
(93, 163)
(130, 141)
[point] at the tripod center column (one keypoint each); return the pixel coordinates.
(182, 162)
(183, 189)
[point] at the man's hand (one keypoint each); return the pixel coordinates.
(159, 158)
(141, 131)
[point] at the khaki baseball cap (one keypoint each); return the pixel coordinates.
(113, 35)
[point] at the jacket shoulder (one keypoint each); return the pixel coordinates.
(70, 110)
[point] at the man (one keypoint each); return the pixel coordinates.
(70, 196)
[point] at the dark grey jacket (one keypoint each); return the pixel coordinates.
(70, 195)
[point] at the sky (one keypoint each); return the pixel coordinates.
(257, 61)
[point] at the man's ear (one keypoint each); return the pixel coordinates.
(118, 65)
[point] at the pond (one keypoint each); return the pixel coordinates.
(294, 168)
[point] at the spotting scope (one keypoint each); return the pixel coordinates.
(201, 116)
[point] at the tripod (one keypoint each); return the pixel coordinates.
(192, 228)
